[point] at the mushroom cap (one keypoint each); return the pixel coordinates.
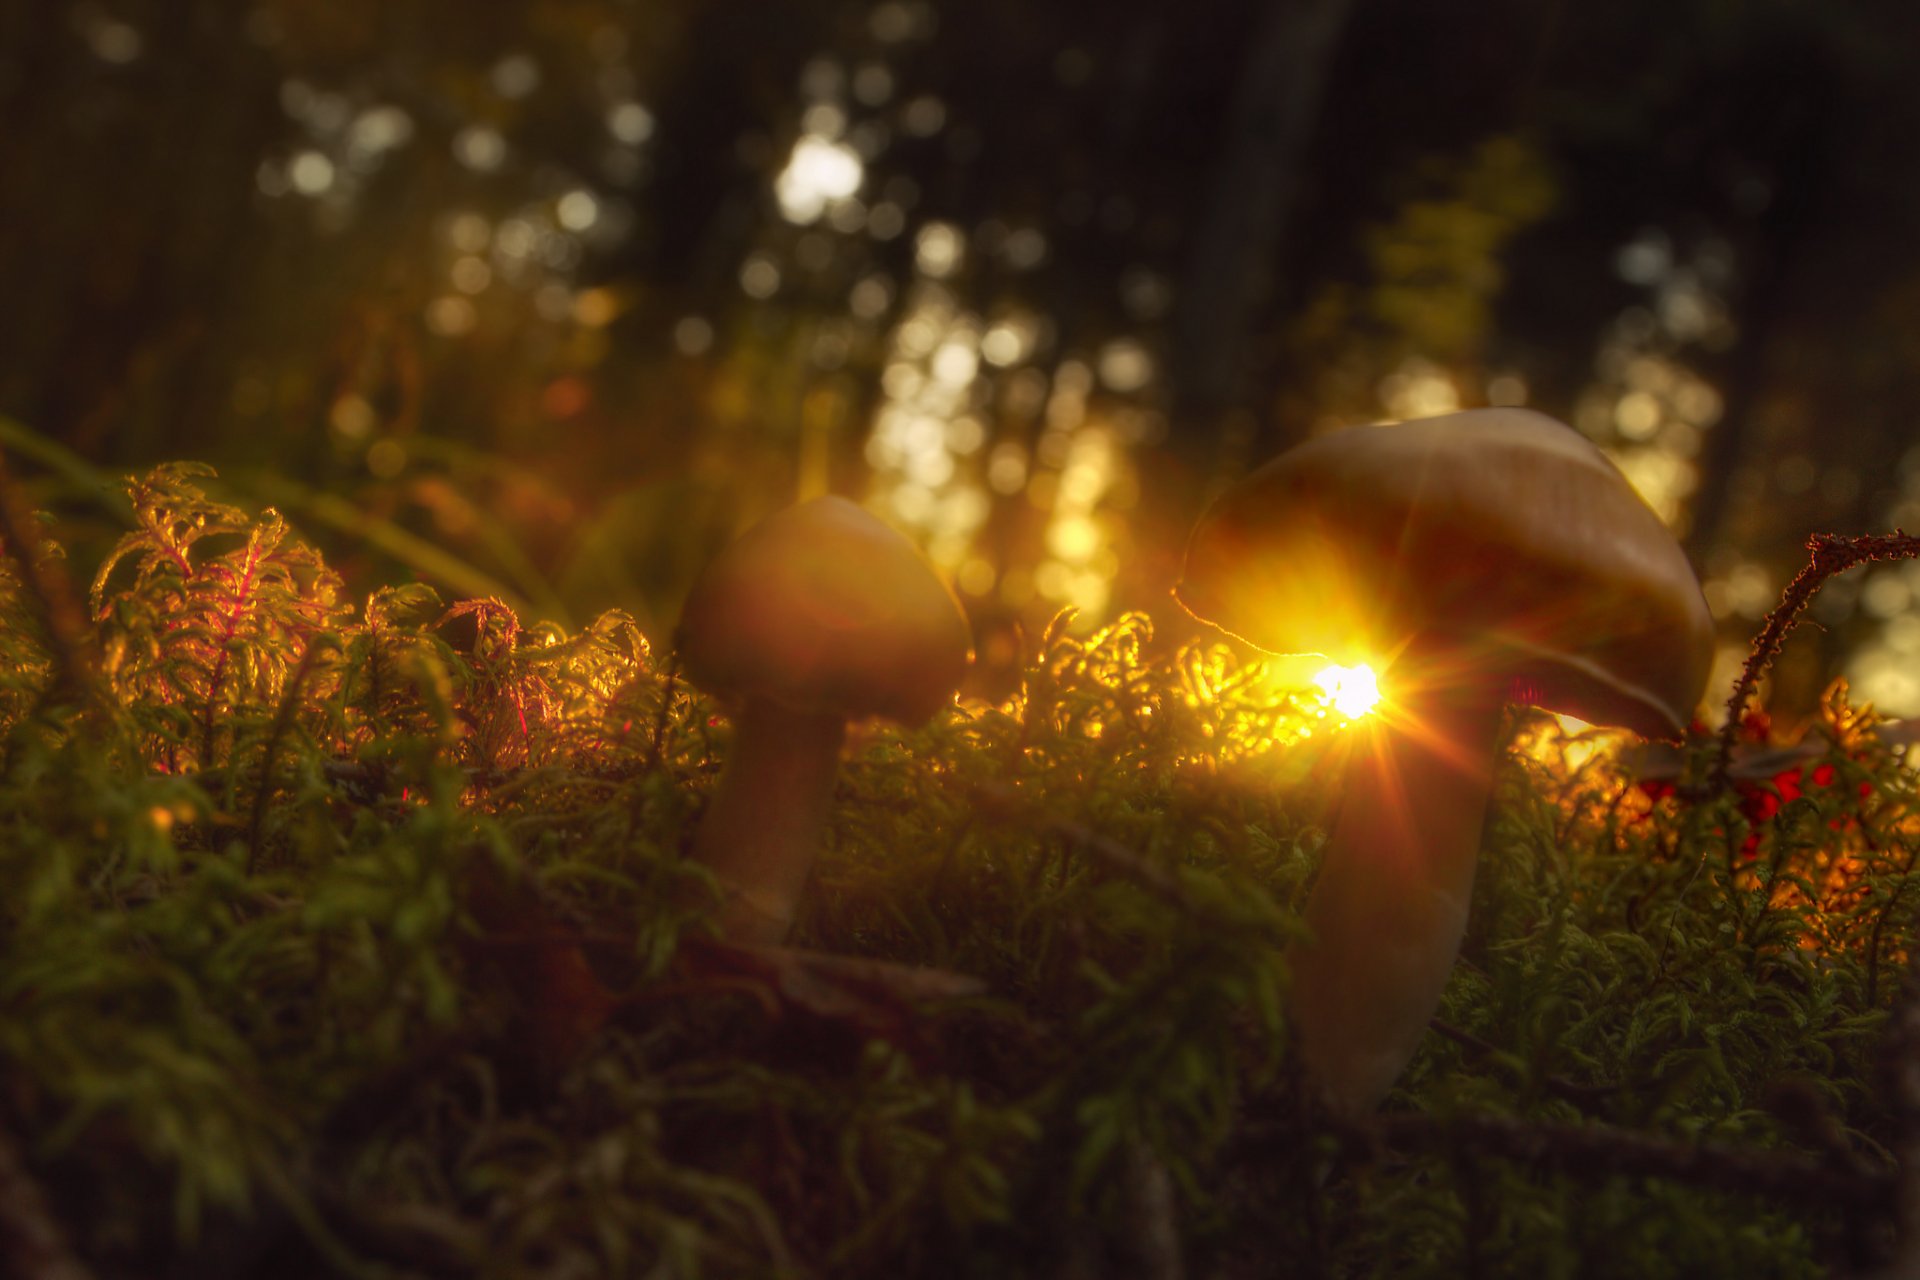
(821, 607)
(1498, 543)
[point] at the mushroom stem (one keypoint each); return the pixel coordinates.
(1390, 905)
(760, 833)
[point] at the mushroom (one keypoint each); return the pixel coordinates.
(818, 615)
(1483, 557)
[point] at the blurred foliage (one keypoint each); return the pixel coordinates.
(1437, 267)
(357, 939)
(1434, 275)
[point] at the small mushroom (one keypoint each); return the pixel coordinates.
(1479, 558)
(818, 615)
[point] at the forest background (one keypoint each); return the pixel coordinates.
(546, 301)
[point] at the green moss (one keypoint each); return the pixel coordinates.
(359, 939)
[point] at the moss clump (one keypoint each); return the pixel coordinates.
(344, 939)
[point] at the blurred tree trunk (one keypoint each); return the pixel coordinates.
(39, 50)
(1800, 181)
(1255, 184)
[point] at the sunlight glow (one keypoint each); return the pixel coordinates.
(1352, 691)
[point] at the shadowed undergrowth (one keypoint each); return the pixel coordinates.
(356, 937)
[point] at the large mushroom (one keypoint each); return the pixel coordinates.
(818, 615)
(1479, 558)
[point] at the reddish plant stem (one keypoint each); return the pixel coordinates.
(241, 599)
(1830, 553)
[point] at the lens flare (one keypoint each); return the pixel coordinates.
(1352, 691)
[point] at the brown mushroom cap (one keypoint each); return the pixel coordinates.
(1499, 533)
(821, 607)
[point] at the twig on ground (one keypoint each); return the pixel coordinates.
(1601, 1151)
(1154, 1235)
